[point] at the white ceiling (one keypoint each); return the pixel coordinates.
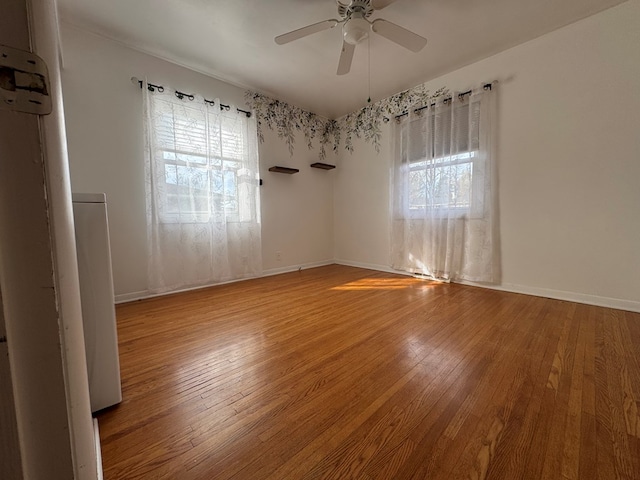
(233, 40)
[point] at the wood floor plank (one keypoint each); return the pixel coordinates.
(560, 380)
(588, 453)
(604, 425)
(512, 457)
(626, 459)
(342, 372)
(493, 415)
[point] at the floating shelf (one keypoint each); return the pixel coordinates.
(283, 170)
(323, 166)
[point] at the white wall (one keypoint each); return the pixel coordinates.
(104, 124)
(297, 209)
(568, 165)
(361, 204)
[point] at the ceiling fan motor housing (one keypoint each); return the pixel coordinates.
(364, 6)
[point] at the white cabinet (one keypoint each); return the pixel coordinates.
(96, 293)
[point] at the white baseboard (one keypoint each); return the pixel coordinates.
(293, 268)
(617, 303)
(371, 266)
(130, 297)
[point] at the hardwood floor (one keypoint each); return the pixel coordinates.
(338, 372)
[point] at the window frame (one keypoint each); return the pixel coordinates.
(210, 166)
(442, 210)
(428, 160)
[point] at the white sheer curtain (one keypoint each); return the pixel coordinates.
(443, 190)
(203, 212)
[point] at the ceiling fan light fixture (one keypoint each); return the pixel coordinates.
(355, 30)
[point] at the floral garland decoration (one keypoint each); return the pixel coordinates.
(364, 123)
(285, 119)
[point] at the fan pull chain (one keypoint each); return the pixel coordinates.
(369, 62)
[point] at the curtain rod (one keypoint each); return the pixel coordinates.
(486, 86)
(181, 95)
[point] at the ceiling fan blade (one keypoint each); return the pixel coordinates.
(304, 31)
(346, 56)
(380, 4)
(399, 35)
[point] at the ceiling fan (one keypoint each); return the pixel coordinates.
(354, 17)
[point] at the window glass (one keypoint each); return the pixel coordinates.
(202, 158)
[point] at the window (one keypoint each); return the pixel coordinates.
(201, 154)
(441, 183)
(203, 207)
(442, 198)
(440, 171)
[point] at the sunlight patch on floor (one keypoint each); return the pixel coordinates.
(386, 284)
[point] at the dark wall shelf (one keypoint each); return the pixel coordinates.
(323, 166)
(283, 170)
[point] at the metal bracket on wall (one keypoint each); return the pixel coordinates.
(24, 82)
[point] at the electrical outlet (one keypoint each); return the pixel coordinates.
(279, 256)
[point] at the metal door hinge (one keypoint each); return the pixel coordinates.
(24, 82)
